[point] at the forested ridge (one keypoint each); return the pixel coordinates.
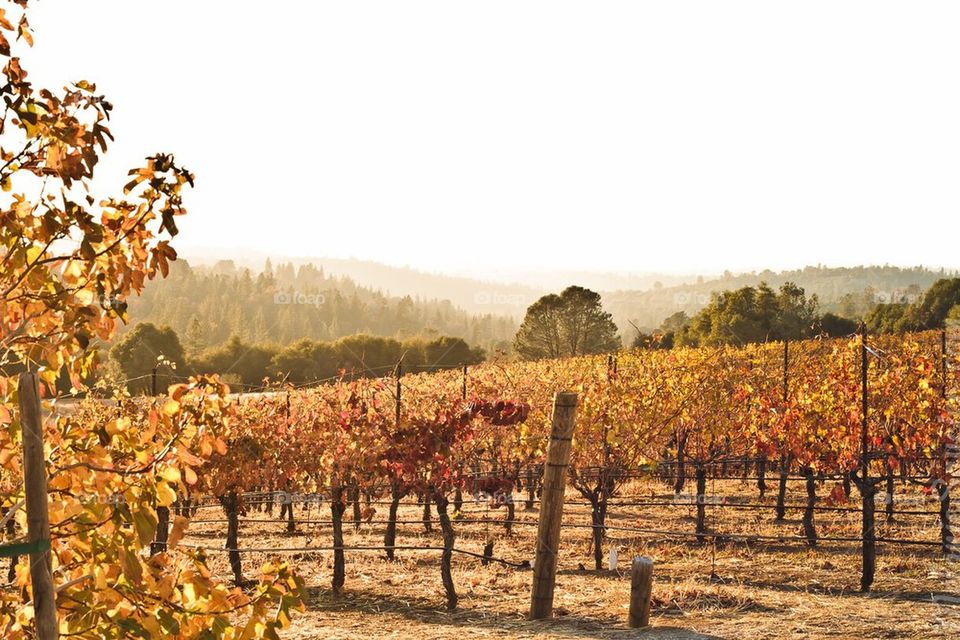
(282, 304)
(851, 292)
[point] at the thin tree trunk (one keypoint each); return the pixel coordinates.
(163, 531)
(511, 511)
(809, 529)
(355, 500)
(598, 516)
(231, 506)
(427, 523)
(530, 490)
(868, 492)
(701, 503)
(889, 494)
(449, 537)
(782, 490)
(762, 476)
(681, 472)
(390, 536)
(291, 523)
(337, 508)
(946, 537)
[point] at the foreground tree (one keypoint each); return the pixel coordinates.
(68, 269)
(570, 324)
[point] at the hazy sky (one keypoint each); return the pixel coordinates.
(668, 136)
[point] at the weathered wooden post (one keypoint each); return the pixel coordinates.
(551, 506)
(641, 588)
(38, 522)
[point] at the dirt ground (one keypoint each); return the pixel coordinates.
(734, 589)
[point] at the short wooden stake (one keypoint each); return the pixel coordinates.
(38, 518)
(641, 587)
(551, 505)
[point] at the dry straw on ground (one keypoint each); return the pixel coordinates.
(732, 590)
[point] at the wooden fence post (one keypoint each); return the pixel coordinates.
(641, 587)
(38, 522)
(551, 505)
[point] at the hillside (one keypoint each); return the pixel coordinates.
(848, 291)
(208, 305)
(223, 298)
(479, 296)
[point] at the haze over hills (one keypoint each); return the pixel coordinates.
(847, 291)
(282, 303)
(643, 299)
(501, 290)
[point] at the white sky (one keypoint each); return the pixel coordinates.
(667, 136)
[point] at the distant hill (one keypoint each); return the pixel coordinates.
(283, 303)
(645, 299)
(469, 294)
(848, 291)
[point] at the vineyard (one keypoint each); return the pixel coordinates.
(769, 450)
(784, 489)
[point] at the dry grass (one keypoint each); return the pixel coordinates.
(733, 590)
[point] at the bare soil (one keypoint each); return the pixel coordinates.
(731, 589)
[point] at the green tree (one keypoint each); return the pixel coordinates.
(305, 361)
(144, 348)
(932, 309)
(247, 363)
(446, 351)
(752, 314)
(953, 318)
(836, 326)
(887, 318)
(570, 324)
(195, 338)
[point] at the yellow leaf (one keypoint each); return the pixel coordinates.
(180, 524)
(170, 407)
(85, 297)
(99, 577)
(33, 253)
(165, 495)
(170, 474)
(118, 426)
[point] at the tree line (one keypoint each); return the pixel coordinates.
(575, 323)
(849, 292)
(148, 351)
(207, 306)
